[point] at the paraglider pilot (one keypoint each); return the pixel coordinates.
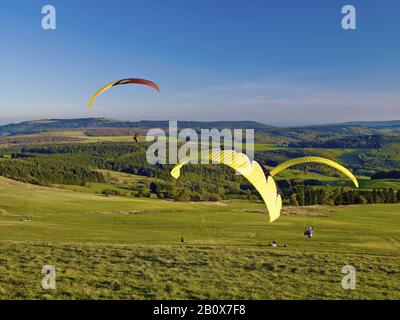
(309, 232)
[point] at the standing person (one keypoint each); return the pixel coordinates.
(309, 232)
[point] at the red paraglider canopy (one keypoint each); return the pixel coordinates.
(121, 82)
(137, 81)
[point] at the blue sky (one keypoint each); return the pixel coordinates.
(279, 62)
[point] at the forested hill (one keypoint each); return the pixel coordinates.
(36, 126)
(370, 141)
(297, 133)
(373, 124)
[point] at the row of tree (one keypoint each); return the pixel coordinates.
(300, 195)
(306, 195)
(349, 142)
(46, 171)
(394, 174)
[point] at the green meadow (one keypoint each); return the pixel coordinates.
(130, 248)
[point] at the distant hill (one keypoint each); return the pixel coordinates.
(348, 142)
(361, 128)
(373, 124)
(307, 133)
(28, 127)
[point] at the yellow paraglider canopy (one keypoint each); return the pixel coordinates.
(251, 170)
(312, 159)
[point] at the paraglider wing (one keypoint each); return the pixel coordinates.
(120, 82)
(252, 171)
(325, 161)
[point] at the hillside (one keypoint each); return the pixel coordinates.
(373, 124)
(88, 237)
(76, 156)
(297, 133)
(36, 126)
(96, 207)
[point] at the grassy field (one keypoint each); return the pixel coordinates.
(129, 248)
(379, 184)
(116, 181)
(64, 136)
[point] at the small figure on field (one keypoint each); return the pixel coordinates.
(309, 232)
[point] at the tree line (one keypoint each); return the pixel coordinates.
(45, 171)
(307, 195)
(350, 142)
